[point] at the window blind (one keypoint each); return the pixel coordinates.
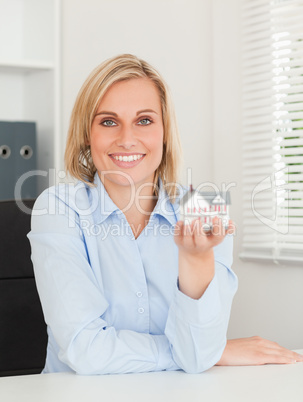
(272, 125)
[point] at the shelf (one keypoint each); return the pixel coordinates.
(30, 75)
(24, 66)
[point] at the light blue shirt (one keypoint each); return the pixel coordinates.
(111, 302)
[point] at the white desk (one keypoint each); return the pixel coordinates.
(270, 383)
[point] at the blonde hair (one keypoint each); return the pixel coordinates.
(78, 159)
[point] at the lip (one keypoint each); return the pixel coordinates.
(123, 164)
(125, 153)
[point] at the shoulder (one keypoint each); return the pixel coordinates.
(59, 198)
(62, 206)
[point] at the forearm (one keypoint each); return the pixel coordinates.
(97, 350)
(197, 328)
(195, 273)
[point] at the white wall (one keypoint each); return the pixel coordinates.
(195, 44)
(173, 35)
(269, 301)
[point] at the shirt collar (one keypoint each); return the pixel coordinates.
(164, 207)
(104, 205)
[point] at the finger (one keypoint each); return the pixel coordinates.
(275, 351)
(218, 232)
(200, 236)
(188, 228)
(231, 228)
(198, 230)
(281, 357)
(275, 347)
(277, 359)
(188, 238)
(214, 236)
(291, 354)
(218, 229)
(178, 232)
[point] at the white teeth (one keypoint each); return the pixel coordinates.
(130, 158)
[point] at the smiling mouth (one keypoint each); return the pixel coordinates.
(126, 158)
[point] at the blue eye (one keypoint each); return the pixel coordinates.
(108, 123)
(145, 122)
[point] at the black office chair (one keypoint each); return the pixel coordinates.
(23, 336)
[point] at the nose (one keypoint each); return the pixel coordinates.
(127, 139)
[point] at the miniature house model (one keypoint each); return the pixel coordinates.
(205, 205)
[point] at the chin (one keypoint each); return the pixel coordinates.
(123, 179)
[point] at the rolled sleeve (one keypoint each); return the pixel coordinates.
(197, 329)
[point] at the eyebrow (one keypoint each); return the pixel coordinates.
(115, 114)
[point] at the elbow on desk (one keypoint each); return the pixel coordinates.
(85, 368)
(93, 360)
(200, 363)
(77, 364)
(197, 369)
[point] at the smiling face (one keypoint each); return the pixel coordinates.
(126, 137)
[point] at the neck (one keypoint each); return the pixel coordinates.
(136, 201)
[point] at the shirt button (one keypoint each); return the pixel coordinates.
(139, 294)
(141, 310)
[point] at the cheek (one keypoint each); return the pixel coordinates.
(98, 143)
(156, 141)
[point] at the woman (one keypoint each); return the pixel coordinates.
(125, 286)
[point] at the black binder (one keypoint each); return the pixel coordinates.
(18, 160)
